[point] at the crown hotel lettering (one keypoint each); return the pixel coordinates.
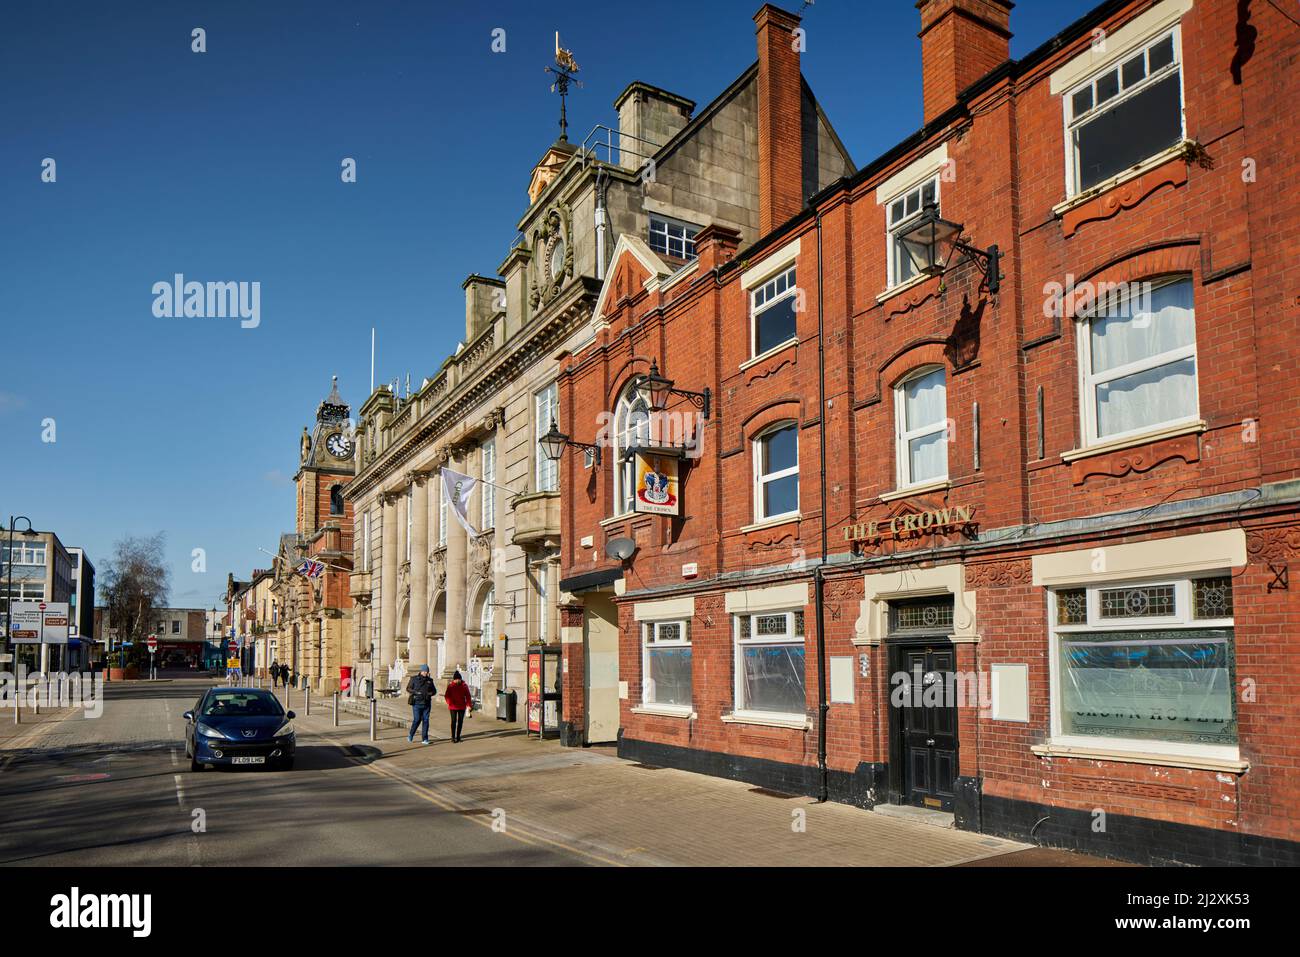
(913, 523)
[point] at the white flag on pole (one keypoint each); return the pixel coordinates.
(458, 487)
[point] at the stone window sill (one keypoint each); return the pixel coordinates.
(772, 522)
(1128, 441)
(774, 351)
(665, 711)
(1200, 763)
(902, 287)
(797, 721)
(1119, 179)
(934, 486)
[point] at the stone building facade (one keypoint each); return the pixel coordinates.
(428, 591)
(1006, 537)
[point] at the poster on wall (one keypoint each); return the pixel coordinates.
(657, 489)
(535, 691)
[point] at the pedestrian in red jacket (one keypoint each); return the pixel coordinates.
(458, 699)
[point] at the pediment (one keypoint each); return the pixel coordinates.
(633, 267)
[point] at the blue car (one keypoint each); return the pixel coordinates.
(239, 726)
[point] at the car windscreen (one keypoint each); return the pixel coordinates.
(234, 704)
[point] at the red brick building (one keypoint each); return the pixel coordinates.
(1004, 535)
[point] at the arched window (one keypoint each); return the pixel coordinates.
(921, 416)
(776, 472)
(485, 620)
(336, 499)
(631, 430)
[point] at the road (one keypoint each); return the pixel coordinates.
(117, 790)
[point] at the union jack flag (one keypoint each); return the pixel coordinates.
(310, 568)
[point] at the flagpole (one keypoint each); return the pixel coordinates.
(295, 568)
(504, 488)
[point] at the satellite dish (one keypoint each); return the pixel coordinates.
(620, 548)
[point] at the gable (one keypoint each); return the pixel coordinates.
(633, 267)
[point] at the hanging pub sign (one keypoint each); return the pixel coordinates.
(657, 488)
(935, 521)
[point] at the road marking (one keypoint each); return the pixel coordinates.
(180, 790)
(447, 805)
(173, 754)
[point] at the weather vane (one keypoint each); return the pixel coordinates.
(563, 71)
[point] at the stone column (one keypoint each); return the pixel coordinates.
(317, 653)
(388, 586)
(457, 569)
(552, 609)
(419, 643)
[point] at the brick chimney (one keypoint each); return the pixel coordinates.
(715, 245)
(780, 100)
(961, 41)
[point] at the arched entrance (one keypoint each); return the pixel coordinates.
(438, 627)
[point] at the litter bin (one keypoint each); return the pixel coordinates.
(506, 705)
(365, 688)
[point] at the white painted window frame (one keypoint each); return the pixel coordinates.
(442, 513)
(761, 480)
(546, 409)
(625, 471)
(1070, 124)
(738, 665)
(892, 252)
(410, 517)
(1182, 619)
(487, 619)
(687, 238)
(487, 488)
(902, 435)
(649, 636)
(791, 290)
(1088, 382)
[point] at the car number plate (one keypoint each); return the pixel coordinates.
(257, 760)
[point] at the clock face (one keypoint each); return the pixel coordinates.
(557, 259)
(339, 445)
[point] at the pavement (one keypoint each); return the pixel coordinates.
(118, 790)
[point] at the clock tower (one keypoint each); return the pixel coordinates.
(325, 466)
(315, 607)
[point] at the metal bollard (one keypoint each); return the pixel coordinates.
(17, 694)
(373, 735)
(336, 709)
(306, 700)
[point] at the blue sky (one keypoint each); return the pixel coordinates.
(224, 166)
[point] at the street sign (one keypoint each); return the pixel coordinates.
(152, 643)
(37, 622)
(233, 647)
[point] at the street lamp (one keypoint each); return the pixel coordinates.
(9, 587)
(554, 442)
(655, 389)
(926, 233)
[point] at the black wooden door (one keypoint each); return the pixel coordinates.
(928, 726)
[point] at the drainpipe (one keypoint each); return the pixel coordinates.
(600, 224)
(819, 583)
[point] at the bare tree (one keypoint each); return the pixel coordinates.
(135, 583)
